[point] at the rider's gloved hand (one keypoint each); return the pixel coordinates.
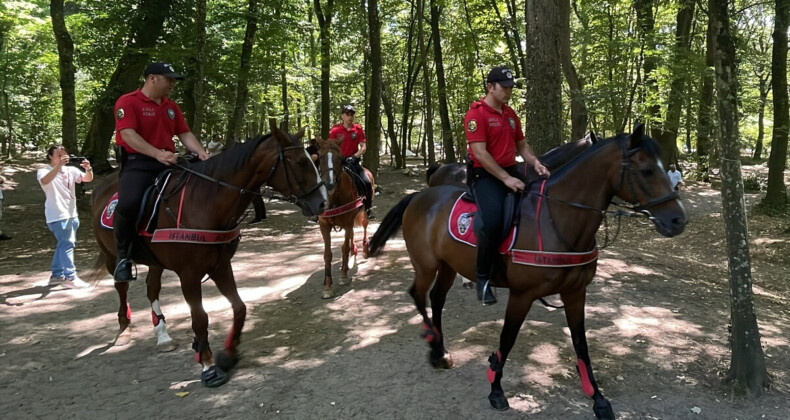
(352, 160)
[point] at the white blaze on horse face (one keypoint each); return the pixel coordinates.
(324, 193)
(331, 168)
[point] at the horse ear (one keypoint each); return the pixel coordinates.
(273, 125)
(636, 136)
(299, 134)
(591, 137)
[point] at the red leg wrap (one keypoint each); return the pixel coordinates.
(496, 366)
(229, 340)
(587, 386)
(128, 312)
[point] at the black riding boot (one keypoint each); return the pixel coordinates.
(483, 264)
(124, 235)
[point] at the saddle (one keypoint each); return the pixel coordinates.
(149, 205)
(462, 218)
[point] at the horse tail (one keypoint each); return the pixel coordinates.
(98, 270)
(431, 169)
(389, 226)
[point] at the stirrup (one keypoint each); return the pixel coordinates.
(485, 292)
(132, 267)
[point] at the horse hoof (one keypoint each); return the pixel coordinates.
(327, 294)
(124, 339)
(498, 400)
(603, 410)
(165, 346)
(213, 377)
(344, 281)
(225, 362)
(444, 361)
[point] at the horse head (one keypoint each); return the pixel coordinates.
(298, 180)
(643, 182)
(330, 165)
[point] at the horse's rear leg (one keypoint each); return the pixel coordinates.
(365, 243)
(326, 234)
(439, 357)
(190, 287)
(518, 306)
(154, 282)
(226, 283)
(124, 315)
(348, 243)
(423, 279)
(574, 313)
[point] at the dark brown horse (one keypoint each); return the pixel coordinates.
(345, 210)
(213, 196)
(574, 201)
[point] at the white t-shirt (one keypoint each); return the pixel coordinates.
(674, 178)
(61, 200)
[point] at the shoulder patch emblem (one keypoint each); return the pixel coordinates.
(471, 126)
(119, 115)
(512, 122)
(171, 113)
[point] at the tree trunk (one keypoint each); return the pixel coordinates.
(777, 160)
(426, 83)
(748, 362)
(394, 149)
(646, 22)
(758, 148)
(145, 29)
(67, 71)
(412, 71)
(195, 91)
(668, 132)
(235, 125)
(576, 86)
(374, 108)
(705, 113)
(444, 112)
(543, 124)
(324, 24)
(284, 90)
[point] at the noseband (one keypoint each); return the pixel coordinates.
(635, 181)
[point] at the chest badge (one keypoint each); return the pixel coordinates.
(512, 122)
(353, 136)
(171, 113)
(471, 126)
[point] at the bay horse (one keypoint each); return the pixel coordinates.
(345, 210)
(212, 196)
(574, 200)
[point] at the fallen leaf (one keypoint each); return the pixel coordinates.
(182, 394)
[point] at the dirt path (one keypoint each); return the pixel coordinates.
(656, 317)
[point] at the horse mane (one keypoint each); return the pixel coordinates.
(560, 155)
(229, 161)
(648, 145)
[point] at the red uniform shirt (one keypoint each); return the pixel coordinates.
(155, 123)
(350, 138)
(500, 132)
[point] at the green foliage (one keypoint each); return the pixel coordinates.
(754, 183)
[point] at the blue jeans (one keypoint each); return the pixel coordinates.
(66, 234)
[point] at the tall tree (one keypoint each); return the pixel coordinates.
(668, 131)
(426, 83)
(374, 107)
(543, 124)
(67, 71)
(575, 83)
(444, 112)
(195, 91)
(235, 126)
(776, 194)
(145, 29)
(646, 22)
(705, 113)
(324, 17)
(747, 369)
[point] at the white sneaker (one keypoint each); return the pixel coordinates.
(56, 281)
(75, 283)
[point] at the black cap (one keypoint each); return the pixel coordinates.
(501, 75)
(348, 109)
(165, 69)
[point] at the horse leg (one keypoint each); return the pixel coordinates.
(574, 314)
(212, 376)
(124, 315)
(226, 283)
(439, 357)
(423, 278)
(348, 242)
(365, 243)
(326, 234)
(518, 306)
(154, 282)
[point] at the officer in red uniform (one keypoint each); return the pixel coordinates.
(145, 123)
(493, 132)
(352, 147)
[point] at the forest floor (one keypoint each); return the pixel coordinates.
(657, 322)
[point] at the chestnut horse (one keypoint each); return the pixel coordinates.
(345, 210)
(212, 196)
(574, 201)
